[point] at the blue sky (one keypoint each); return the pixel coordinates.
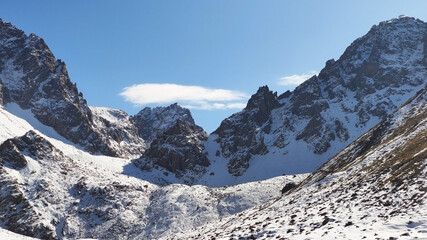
(207, 55)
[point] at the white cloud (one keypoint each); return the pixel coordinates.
(295, 80)
(215, 105)
(194, 97)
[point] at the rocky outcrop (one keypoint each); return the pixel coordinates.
(180, 149)
(17, 213)
(152, 122)
(121, 131)
(241, 135)
(261, 104)
(31, 144)
(49, 195)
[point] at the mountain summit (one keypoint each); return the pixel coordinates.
(152, 122)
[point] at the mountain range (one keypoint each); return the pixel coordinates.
(342, 155)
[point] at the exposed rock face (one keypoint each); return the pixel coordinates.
(288, 187)
(261, 104)
(14, 208)
(153, 122)
(121, 131)
(17, 213)
(11, 150)
(179, 149)
(1, 93)
(376, 74)
(33, 78)
(240, 136)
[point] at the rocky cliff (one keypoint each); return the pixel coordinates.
(179, 150)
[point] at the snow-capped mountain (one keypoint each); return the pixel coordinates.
(298, 131)
(53, 186)
(33, 78)
(374, 189)
(294, 132)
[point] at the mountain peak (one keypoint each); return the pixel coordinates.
(8, 30)
(34, 79)
(154, 121)
(263, 101)
(401, 19)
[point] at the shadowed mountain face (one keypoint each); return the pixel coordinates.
(178, 150)
(376, 74)
(240, 136)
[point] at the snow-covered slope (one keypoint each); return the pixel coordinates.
(51, 189)
(374, 189)
(47, 205)
(8, 235)
(298, 131)
(181, 208)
